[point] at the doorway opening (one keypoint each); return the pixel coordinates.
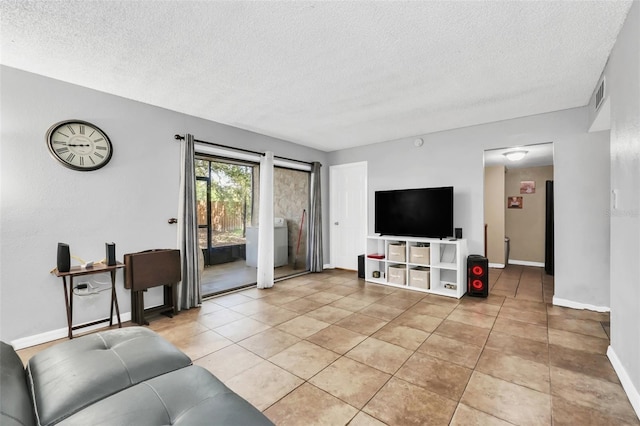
(518, 217)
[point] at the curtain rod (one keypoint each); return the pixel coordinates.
(248, 151)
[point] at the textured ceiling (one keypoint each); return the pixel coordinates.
(328, 75)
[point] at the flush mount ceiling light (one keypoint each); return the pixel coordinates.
(515, 155)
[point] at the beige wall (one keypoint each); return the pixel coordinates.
(494, 212)
(525, 227)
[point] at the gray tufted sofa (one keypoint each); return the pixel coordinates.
(128, 376)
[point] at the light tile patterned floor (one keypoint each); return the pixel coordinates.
(329, 349)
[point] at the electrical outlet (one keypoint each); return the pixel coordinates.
(82, 288)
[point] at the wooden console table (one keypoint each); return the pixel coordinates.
(77, 271)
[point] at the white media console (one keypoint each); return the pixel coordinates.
(425, 264)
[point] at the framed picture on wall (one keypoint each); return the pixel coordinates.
(528, 187)
(514, 202)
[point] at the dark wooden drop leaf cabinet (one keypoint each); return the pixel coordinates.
(152, 268)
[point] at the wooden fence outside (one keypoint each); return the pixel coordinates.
(225, 216)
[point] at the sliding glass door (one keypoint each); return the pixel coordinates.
(228, 212)
(290, 207)
(225, 197)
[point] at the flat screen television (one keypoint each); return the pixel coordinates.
(423, 212)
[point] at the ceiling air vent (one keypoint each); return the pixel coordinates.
(600, 95)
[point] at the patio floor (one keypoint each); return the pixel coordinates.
(232, 275)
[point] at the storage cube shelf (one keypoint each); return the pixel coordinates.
(423, 264)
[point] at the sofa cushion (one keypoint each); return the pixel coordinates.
(190, 396)
(69, 376)
(15, 402)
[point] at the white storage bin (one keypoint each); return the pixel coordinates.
(397, 252)
(420, 255)
(397, 274)
(420, 277)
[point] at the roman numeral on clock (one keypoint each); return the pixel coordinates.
(62, 150)
(70, 157)
(73, 132)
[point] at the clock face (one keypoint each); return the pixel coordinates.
(79, 145)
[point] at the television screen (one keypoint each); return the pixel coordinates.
(424, 212)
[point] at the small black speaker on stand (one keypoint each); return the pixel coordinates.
(64, 257)
(458, 234)
(111, 253)
(361, 266)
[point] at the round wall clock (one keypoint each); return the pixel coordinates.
(79, 145)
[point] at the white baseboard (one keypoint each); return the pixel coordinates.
(577, 305)
(497, 265)
(625, 380)
(526, 263)
(60, 333)
(328, 266)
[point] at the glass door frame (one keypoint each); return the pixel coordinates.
(207, 226)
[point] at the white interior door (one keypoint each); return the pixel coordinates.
(348, 186)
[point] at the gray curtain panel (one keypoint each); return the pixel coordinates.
(189, 288)
(314, 254)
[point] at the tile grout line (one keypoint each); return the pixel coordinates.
(340, 356)
(476, 365)
(549, 365)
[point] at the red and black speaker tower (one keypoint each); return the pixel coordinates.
(477, 276)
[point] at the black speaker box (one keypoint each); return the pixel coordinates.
(477, 275)
(111, 253)
(361, 266)
(458, 234)
(64, 257)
